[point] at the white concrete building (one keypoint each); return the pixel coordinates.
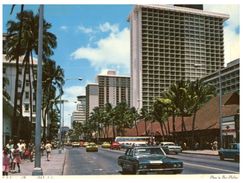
(171, 43)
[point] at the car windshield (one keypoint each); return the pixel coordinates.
(148, 151)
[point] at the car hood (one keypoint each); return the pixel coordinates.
(156, 158)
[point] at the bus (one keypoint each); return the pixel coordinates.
(129, 141)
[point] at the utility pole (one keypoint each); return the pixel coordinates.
(37, 169)
(220, 109)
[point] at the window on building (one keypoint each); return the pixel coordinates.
(19, 95)
(27, 83)
(4, 70)
(20, 71)
(19, 83)
(27, 95)
(34, 108)
(26, 107)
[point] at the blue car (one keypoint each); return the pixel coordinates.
(142, 160)
(232, 153)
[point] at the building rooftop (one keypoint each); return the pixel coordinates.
(182, 10)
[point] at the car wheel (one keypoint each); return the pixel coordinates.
(124, 171)
(221, 157)
(135, 171)
(178, 171)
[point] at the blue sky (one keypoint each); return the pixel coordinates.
(94, 38)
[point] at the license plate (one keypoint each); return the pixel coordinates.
(155, 161)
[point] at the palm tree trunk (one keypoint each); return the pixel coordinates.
(193, 128)
(168, 126)
(15, 119)
(30, 88)
(165, 128)
(24, 64)
(145, 124)
(136, 128)
(113, 131)
(174, 127)
(183, 126)
(161, 127)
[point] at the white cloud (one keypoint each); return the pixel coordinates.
(231, 37)
(108, 27)
(84, 29)
(65, 28)
(112, 51)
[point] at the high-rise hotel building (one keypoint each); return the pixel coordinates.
(170, 43)
(91, 98)
(113, 89)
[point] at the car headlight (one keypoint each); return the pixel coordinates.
(174, 165)
(142, 166)
(179, 165)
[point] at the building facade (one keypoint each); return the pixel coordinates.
(229, 77)
(171, 43)
(9, 72)
(113, 89)
(79, 115)
(91, 98)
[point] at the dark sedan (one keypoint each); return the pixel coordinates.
(233, 152)
(140, 160)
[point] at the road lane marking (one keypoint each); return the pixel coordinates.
(208, 167)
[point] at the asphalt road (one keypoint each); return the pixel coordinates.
(104, 162)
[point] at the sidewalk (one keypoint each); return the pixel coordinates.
(201, 152)
(53, 167)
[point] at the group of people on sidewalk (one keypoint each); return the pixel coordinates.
(14, 153)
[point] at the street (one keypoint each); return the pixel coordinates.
(104, 162)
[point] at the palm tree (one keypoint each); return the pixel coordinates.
(199, 93)
(144, 114)
(22, 39)
(13, 52)
(160, 114)
(121, 117)
(107, 117)
(170, 100)
(135, 116)
(52, 80)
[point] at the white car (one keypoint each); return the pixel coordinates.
(170, 147)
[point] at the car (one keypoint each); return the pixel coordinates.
(115, 145)
(91, 147)
(170, 147)
(84, 144)
(233, 152)
(75, 144)
(142, 160)
(106, 145)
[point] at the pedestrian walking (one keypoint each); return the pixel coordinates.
(42, 148)
(6, 162)
(31, 150)
(48, 148)
(17, 159)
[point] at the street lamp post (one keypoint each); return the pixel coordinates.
(37, 167)
(220, 109)
(62, 116)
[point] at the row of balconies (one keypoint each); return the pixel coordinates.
(181, 32)
(181, 18)
(180, 27)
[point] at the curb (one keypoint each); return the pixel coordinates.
(199, 153)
